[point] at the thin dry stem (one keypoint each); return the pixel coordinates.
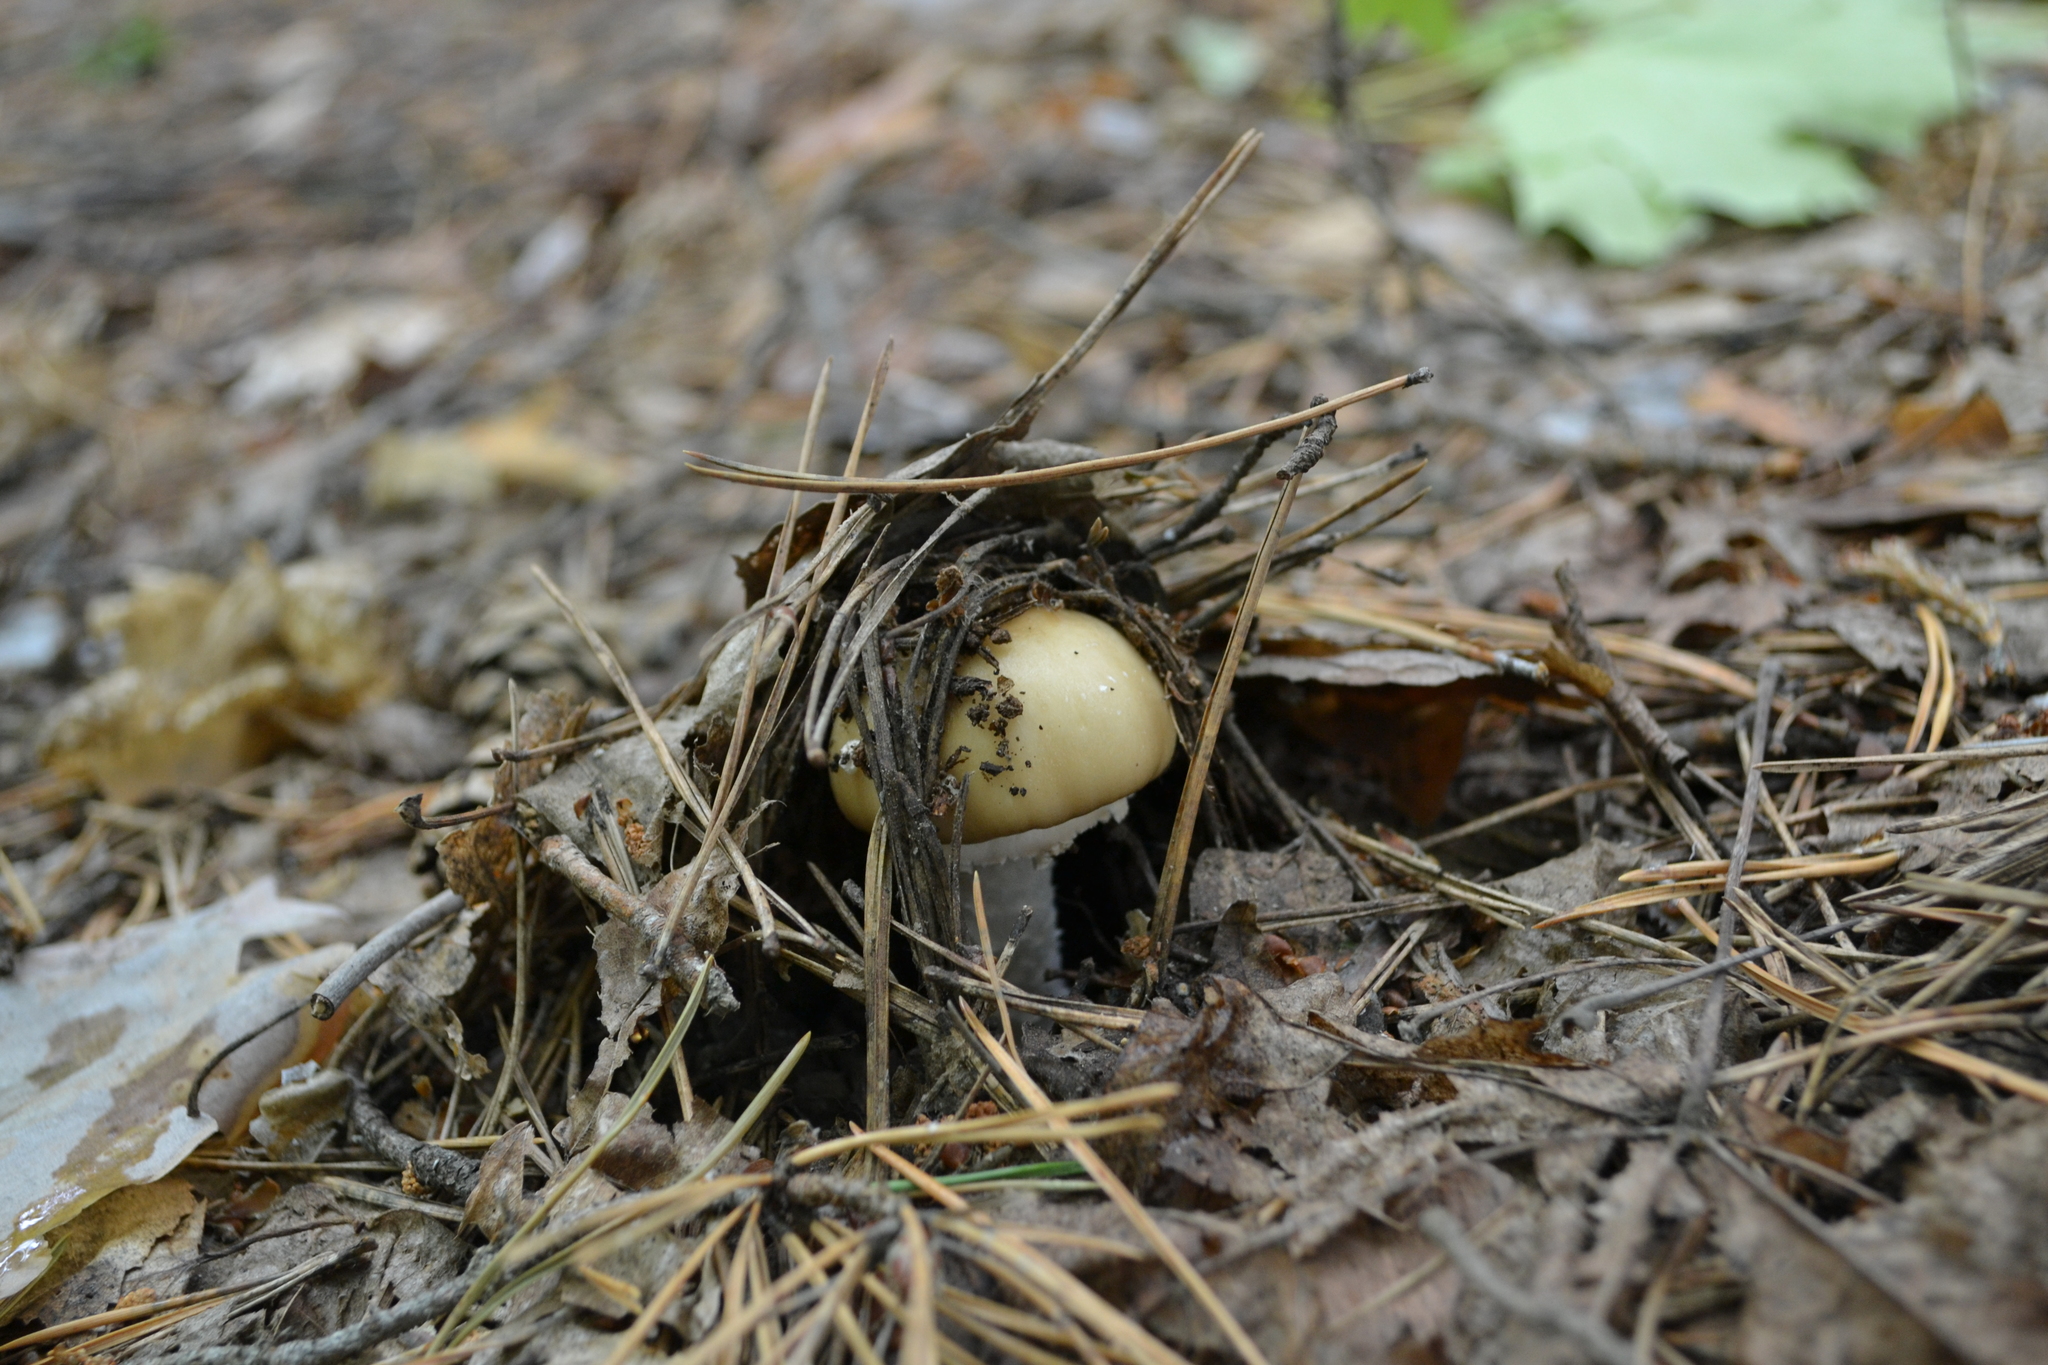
(1120, 1195)
(875, 964)
(1167, 908)
(762, 477)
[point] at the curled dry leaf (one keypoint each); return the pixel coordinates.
(104, 1038)
(421, 979)
(500, 1202)
(204, 661)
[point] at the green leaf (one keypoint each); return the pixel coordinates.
(1472, 167)
(1225, 60)
(1669, 110)
(134, 51)
(2006, 32)
(1435, 25)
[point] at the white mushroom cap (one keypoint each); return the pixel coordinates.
(1074, 722)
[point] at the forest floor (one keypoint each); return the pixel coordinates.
(349, 367)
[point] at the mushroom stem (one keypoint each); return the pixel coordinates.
(1008, 889)
(1016, 872)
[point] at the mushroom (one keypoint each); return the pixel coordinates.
(1051, 739)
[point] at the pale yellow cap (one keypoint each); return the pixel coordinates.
(1081, 722)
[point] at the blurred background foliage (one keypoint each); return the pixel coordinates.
(1624, 123)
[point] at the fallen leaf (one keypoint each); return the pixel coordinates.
(104, 1039)
(887, 118)
(1976, 423)
(324, 357)
(107, 1244)
(1779, 421)
(205, 662)
(473, 464)
(1494, 1040)
(1661, 116)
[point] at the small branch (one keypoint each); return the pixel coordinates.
(341, 983)
(372, 1330)
(1586, 1012)
(762, 477)
(1307, 452)
(1210, 504)
(192, 1095)
(875, 897)
(409, 811)
(1662, 759)
(446, 1173)
(1597, 1339)
(1018, 419)
(1692, 1108)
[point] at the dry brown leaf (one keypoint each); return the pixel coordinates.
(1776, 420)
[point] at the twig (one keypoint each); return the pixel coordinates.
(991, 967)
(875, 898)
(192, 1095)
(1586, 1012)
(342, 982)
(513, 1040)
(734, 771)
(1417, 1017)
(1025, 409)
(1663, 762)
(1207, 507)
(1692, 1108)
(684, 787)
(1530, 807)
(762, 477)
(1383, 970)
(1309, 538)
(409, 812)
(444, 1172)
(1982, 177)
(1987, 751)
(1120, 1194)
(1166, 909)
(1595, 1338)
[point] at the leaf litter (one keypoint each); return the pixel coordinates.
(1633, 962)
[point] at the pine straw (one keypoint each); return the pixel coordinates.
(814, 1252)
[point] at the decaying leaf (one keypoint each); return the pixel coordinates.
(104, 1040)
(1401, 714)
(204, 662)
(499, 1202)
(1236, 1056)
(122, 1244)
(297, 1117)
(474, 463)
(420, 980)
